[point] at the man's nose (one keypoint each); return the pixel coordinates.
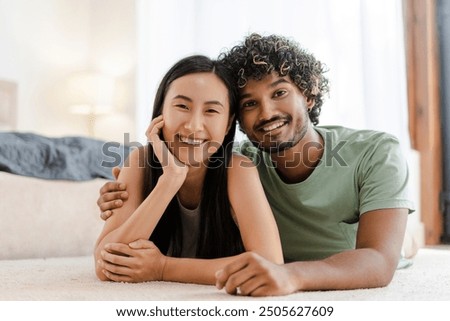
(267, 110)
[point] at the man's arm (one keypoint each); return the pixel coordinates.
(112, 195)
(371, 264)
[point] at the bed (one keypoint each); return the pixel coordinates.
(49, 187)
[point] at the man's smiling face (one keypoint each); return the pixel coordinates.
(274, 113)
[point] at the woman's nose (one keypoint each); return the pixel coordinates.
(194, 123)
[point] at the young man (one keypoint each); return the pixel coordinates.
(338, 195)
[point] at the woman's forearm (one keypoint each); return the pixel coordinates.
(199, 271)
(142, 222)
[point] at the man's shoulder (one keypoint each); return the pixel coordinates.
(354, 136)
(247, 149)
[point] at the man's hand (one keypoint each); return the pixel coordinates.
(137, 262)
(112, 195)
(251, 274)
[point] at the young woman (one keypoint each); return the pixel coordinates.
(189, 196)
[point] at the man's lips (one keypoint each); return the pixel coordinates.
(269, 126)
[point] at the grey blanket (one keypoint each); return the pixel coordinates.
(65, 158)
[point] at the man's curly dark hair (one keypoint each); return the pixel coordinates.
(258, 56)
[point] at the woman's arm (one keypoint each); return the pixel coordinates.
(256, 223)
(142, 261)
(252, 211)
(138, 217)
(136, 220)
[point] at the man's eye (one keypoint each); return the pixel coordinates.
(280, 93)
(248, 104)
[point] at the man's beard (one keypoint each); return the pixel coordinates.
(278, 147)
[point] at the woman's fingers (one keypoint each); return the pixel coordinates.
(159, 147)
(169, 162)
(153, 129)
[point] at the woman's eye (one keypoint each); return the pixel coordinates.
(181, 106)
(212, 111)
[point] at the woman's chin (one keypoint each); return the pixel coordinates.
(192, 161)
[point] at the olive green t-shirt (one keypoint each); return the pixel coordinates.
(360, 171)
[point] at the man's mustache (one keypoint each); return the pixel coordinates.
(263, 123)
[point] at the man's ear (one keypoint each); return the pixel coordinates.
(230, 123)
(310, 102)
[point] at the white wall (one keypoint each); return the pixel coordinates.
(42, 42)
(113, 46)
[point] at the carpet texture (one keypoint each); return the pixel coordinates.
(71, 279)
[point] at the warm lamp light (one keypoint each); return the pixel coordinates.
(91, 94)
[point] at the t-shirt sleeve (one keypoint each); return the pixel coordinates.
(383, 176)
(247, 149)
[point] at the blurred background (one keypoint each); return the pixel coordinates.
(91, 67)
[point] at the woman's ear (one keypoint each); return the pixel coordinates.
(230, 123)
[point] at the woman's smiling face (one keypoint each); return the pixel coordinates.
(196, 115)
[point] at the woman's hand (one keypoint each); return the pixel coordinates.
(138, 261)
(172, 167)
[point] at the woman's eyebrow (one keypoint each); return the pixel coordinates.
(208, 102)
(214, 102)
(182, 97)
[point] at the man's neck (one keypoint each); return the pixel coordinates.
(297, 163)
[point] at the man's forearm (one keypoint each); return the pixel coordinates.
(361, 268)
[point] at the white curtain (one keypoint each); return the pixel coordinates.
(361, 42)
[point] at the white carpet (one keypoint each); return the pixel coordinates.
(71, 279)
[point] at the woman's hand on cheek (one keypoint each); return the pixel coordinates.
(172, 167)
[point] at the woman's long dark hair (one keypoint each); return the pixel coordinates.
(219, 235)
